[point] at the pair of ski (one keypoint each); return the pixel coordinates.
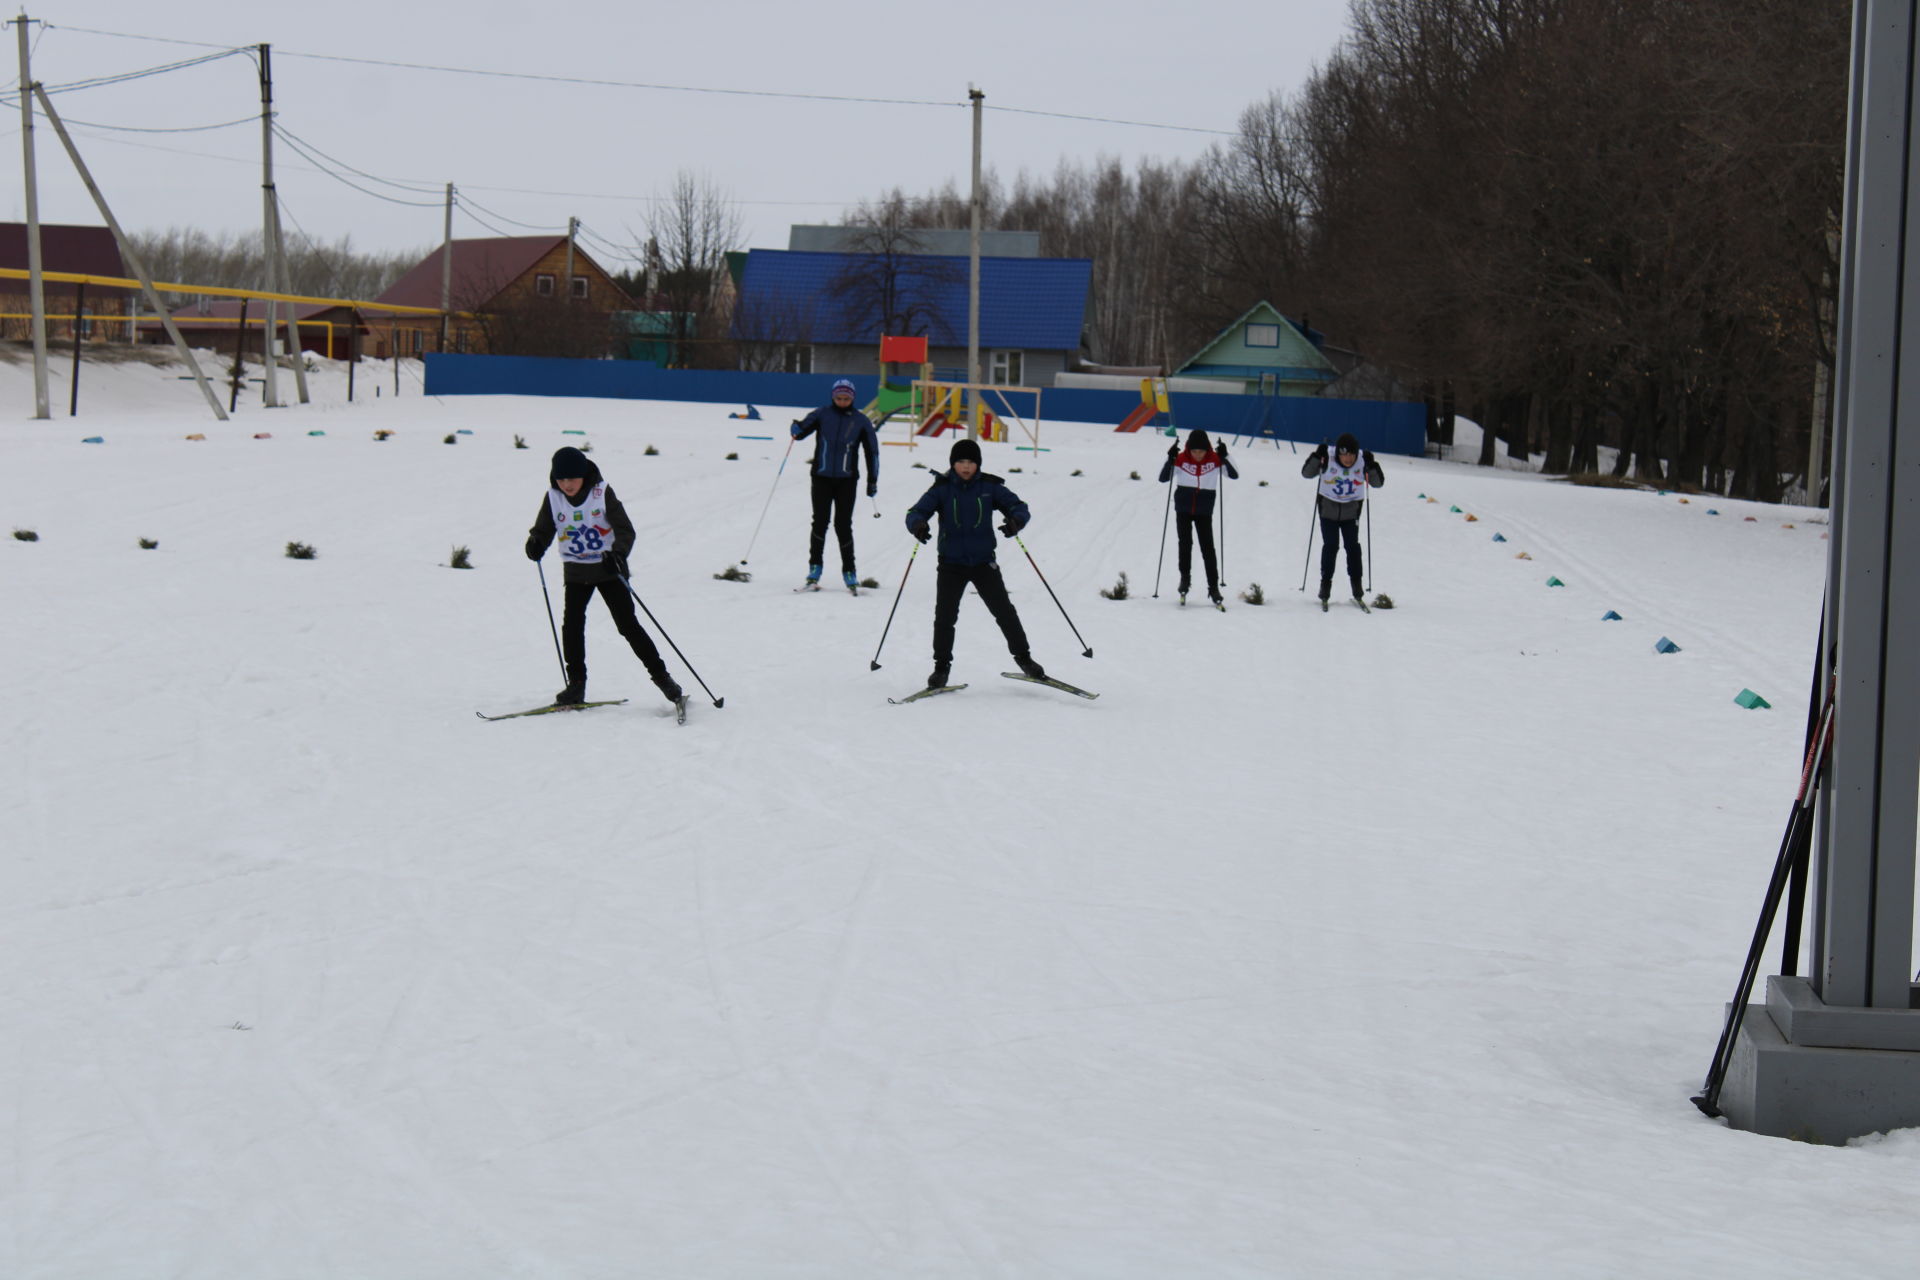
(1049, 681)
(679, 709)
(814, 586)
(1218, 604)
(1364, 607)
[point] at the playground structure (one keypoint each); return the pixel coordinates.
(930, 406)
(1153, 403)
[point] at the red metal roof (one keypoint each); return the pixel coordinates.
(481, 269)
(89, 251)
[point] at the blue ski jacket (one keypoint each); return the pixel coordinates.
(843, 433)
(966, 509)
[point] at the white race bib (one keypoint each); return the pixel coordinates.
(1344, 484)
(582, 532)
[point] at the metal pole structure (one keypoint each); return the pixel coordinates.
(36, 287)
(79, 310)
(268, 247)
(293, 325)
(573, 225)
(239, 363)
(129, 254)
(446, 276)
(978, 98)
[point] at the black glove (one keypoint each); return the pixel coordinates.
(616, 562)
(1173, 452)
(873, 490)
(921, 532)
(1010, 526)
(1221, 449)
(1321, 452)
(536, 547)
(1367, 454)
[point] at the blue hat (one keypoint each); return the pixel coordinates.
(843, 384)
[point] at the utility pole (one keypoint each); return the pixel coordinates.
(573, 225)
(269, 247)
(36, 283)
(446, 280)
(978, 98)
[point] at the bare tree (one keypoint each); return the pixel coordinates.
(690, 231)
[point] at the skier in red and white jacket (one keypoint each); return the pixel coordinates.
(1195, 473)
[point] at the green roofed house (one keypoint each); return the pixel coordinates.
(1262, 351)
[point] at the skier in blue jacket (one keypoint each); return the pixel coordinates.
(844, 432)
(966, 499)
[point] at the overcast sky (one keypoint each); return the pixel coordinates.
(536, 151)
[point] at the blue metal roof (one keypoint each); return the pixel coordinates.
(1029, 303)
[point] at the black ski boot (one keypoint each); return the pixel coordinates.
(942, 675)
(1026, 664)
(572, 696)
(1326, 590)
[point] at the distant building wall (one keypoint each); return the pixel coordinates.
(993, 244)
(1383, 426)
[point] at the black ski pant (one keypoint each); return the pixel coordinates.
(1193, 513)
(573, 633)
(1332, 534)
(833, 497)
(952, 584)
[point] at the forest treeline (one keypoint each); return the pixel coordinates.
(1586, 223)
(188, 255)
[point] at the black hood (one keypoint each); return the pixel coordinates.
(569, 462)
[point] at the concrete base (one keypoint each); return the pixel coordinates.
(1804, 1070)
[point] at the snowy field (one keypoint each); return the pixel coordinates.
(1318, 946)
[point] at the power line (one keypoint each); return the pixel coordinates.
(196, 128)
(681, 88)
(483, 222)
(469, 202)
(341, 178)
(418, 186)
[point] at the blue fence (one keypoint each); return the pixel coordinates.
(1385, 426)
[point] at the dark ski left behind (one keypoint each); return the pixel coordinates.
(1061, 685)
(550, 708)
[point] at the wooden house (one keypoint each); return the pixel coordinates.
(99, 311)
(1263, 352)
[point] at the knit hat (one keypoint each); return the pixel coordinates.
(964, 451)
(571, 464)
(844, 384)
(1197, 441)
(1346, 443)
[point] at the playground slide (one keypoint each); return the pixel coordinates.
(1141, 415)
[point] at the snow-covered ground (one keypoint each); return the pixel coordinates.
(1320, 945)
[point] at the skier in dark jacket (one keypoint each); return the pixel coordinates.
(844, 432)
(966, 500)
(1195, 473)
(595, 537)
(1345, 480)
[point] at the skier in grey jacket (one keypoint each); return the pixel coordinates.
(1345, 479)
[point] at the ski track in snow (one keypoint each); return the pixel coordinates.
(1337, 944)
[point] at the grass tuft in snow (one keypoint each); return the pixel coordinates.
(1133, 475)
(1263, 484)
(871, 584)
(148, 544)
(1253, 594)
(451, 439)
(650, 452)
(300, 551)
(733, 457)
(25, 535)
(734, 574)
(382, 434)
(460, 558)
(519, 441)
(1118, 591)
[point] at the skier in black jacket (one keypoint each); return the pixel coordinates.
(595, 536)
(1345, 481)
(845, 433)
(966, 499)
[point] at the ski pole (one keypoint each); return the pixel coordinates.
(1369, 546)
(1308, 560)
(1159, 567)
(1799, 835)
(717, 702)
(1223, 525)
(763, 510)
(875, 664)
(876, 505)
(1087, 649)
(556, 631)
